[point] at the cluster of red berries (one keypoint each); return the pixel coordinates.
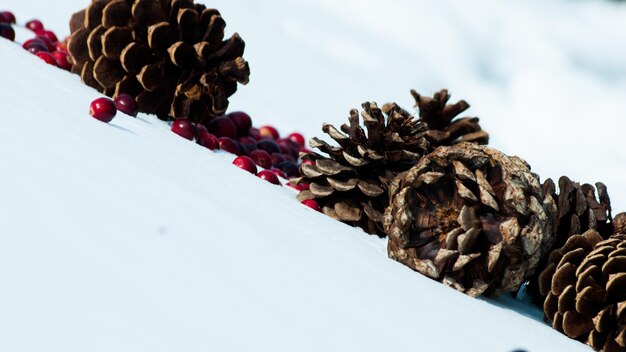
(262, 147)
(45, 44)
(105, 109)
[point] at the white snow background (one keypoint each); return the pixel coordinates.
(126, 237)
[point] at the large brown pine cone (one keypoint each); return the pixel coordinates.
(351, 182)
(470, 217)
(169, 54)
(585, 289)
(578, 210)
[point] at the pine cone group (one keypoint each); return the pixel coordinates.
(351, 182)
(585, 289)
(169, 54)
(470, 217)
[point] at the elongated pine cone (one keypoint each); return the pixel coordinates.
(351, 183)
(443, 128)
(470, 217)
(578, 210)
(169, 54)
(585, 289)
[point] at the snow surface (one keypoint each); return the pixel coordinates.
(125, 237)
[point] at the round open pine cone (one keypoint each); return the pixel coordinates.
(585, 289)
(470, 217)
(169, 54)
(351, 182)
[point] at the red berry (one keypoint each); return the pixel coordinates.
(208, 140)
(49, 44)
(228, 145)
(279, 173)
(297, 138)
(48, 34)
(7, 32)
(269, 176)
(34, 25)
(183, 128)
(127, 104)
(254, 133)
(308, 161)
(299, 187)
(222, 127)
(287, 147)
(277, 158)
(7, 17)
(200, 128)
(47, 58)
(269, 132)
(246, 140)
(261, 158)
(245, 163)
(35, 45)
(268, 145)
(103, 109)
(60, 46)
(242, 122)
(311, 204)
(61, 59)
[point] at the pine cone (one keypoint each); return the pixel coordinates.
(442, 128)
(585, 289)
(169, 54)
(351, 183)
(578, 210)
(470, 217)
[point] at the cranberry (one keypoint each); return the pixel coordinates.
(103, 109)
(269, 176)
(34, 25)
(289, 168)
(35, 45)
(7, 32)
(183, 128)
(254, 133)
(222, 127)
(228, 145)
(208, 140)
(246, 140)
(288, 147)
(48, 34)
(268, 145)
(49, 44)
(7, 17)
(60, 46)
(245, 163)
(279, 173)
(127, 104)
(311, 203)
(261, 158)
(308, 161)
(61, 59)
(277, 158)
(269, 132)
(242, 122)
(200, 128)
(297, 138)
(47, 58)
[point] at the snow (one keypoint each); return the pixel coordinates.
(125, 237)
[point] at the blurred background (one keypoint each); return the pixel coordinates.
(546, 77)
